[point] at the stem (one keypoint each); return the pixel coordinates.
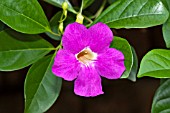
(54, 33)
(61, 18)
(88, 19)
(100, 10)
(59, 46)
(81, 8)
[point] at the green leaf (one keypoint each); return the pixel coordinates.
(87, 3)
(19, 50)
(162, 80)
(134, 14)
(111, 1)
(134, 69)
(58, 3)
(155, 63)
(2, 26)
(42, 87)
(123, 45)
(166, 26)
(25, 16)
(161, 99)
(70, 19)
(54, 23)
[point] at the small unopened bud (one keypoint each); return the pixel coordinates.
(79, 18)
(64, 5)
(61, 27)
(65, 12)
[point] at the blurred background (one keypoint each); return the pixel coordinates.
(121, 96)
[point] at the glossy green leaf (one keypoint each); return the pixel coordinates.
(2, 26)
(161, 99)
(42, 87)
(70, 19)
(166, 26)
(155, 63)
(134, 69)
(19, 50)
(25, 16)
(58, 3)
(87, 3)
(111, 1)
(123, 45)
(134, 14)
(162, 80)
(54, 23)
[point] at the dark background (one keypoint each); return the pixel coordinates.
(121, 96)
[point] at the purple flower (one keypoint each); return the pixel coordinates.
(86, 56)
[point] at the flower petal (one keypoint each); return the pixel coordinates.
(110, 64)
(101, 35)
(75, 37)
(66, 65)
(88, 83)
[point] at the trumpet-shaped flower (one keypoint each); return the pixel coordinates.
(86, 56)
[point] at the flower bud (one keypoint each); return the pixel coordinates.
(79, 18)
(61, 27)
(64, 5)
(65, 12)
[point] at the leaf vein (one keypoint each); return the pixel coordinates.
(125, 9)
(142, 7)
(128, 17)
(155, 63)
(29, 18)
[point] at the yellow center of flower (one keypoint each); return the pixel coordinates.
(86, 56)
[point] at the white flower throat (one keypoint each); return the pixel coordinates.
(86, 56)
